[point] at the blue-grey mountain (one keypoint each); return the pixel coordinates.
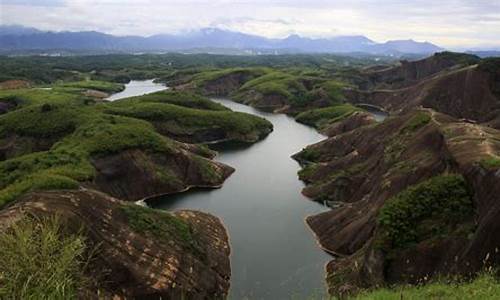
(18, 38)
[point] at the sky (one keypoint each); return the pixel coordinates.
(453, 24)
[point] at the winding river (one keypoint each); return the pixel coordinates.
(273, 253)
(137, 88)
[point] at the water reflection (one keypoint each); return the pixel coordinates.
(138, 88)
(274, 255)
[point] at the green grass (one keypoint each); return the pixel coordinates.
(277, 83)
(485, 286)
(307, 171)
(328, 115)
(60, 93)
(185, 99)
(247, 74)
(69, 160)
(419, 120)
(297, 87)
(491, 162)
(41, 261)
(309, 154)
(459, 58)
(77, 132)
(162, 225)
(41, 120)
(429, 209)
(492, 67)
(189, 119)
(40, 96)
(103, 86)
(83, 133)
(334, 91)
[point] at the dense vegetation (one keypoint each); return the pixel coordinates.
(323, 116)
(429, 209)
(58, 131)
(41, 261)
(492, 66)
(74, 129)
(186, 119)
(161, 225)
(123, 67)
(485, 286)
(459, 58)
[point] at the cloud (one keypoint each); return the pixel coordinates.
(33, 2)
(450, 23)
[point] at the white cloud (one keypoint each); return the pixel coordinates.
(448, 22)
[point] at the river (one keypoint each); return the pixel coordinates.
(273, 253)
(137, 88)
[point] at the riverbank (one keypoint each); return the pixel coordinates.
(274, 255)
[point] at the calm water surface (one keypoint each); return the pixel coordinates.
(274, 255)
(137, 88)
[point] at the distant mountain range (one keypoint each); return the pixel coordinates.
(19, 38)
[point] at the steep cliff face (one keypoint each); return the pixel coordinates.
(137, 252)
(356, 120)
(135, 174)
(228, 83)
(192, 119)
(464, 93)
(380, 178)
(280, 91)
(86, 153)
(132, 149)
(216, 83)
(410, 73)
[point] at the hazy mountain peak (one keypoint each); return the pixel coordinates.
(14, 38)
(17, 30)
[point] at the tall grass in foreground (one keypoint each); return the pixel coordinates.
(39, 261)
(484, 287)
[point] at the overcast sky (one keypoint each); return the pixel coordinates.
(448, 23)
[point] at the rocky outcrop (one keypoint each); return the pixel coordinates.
(356, 120)
(215, 83)
(15, 145)
(408, 73)
(14, 84)
(190, 118)
(465, 93)
(219, 131)
(6, 106)
(95, 94)
(228, 83)
(469, 93)
(185, 255)
(268, 102)
(137, 174)
(363, 172)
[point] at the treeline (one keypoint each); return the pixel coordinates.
(124, 67)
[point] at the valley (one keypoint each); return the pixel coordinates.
(256, 171)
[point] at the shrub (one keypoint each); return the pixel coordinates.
(309, 154)
(490, 162)
(104, 86)
(162, 225)
(442, 201)
(485, 287)
(420, 119)
(322, 116)
(40, 261)
(459, 58)
(172, 97)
